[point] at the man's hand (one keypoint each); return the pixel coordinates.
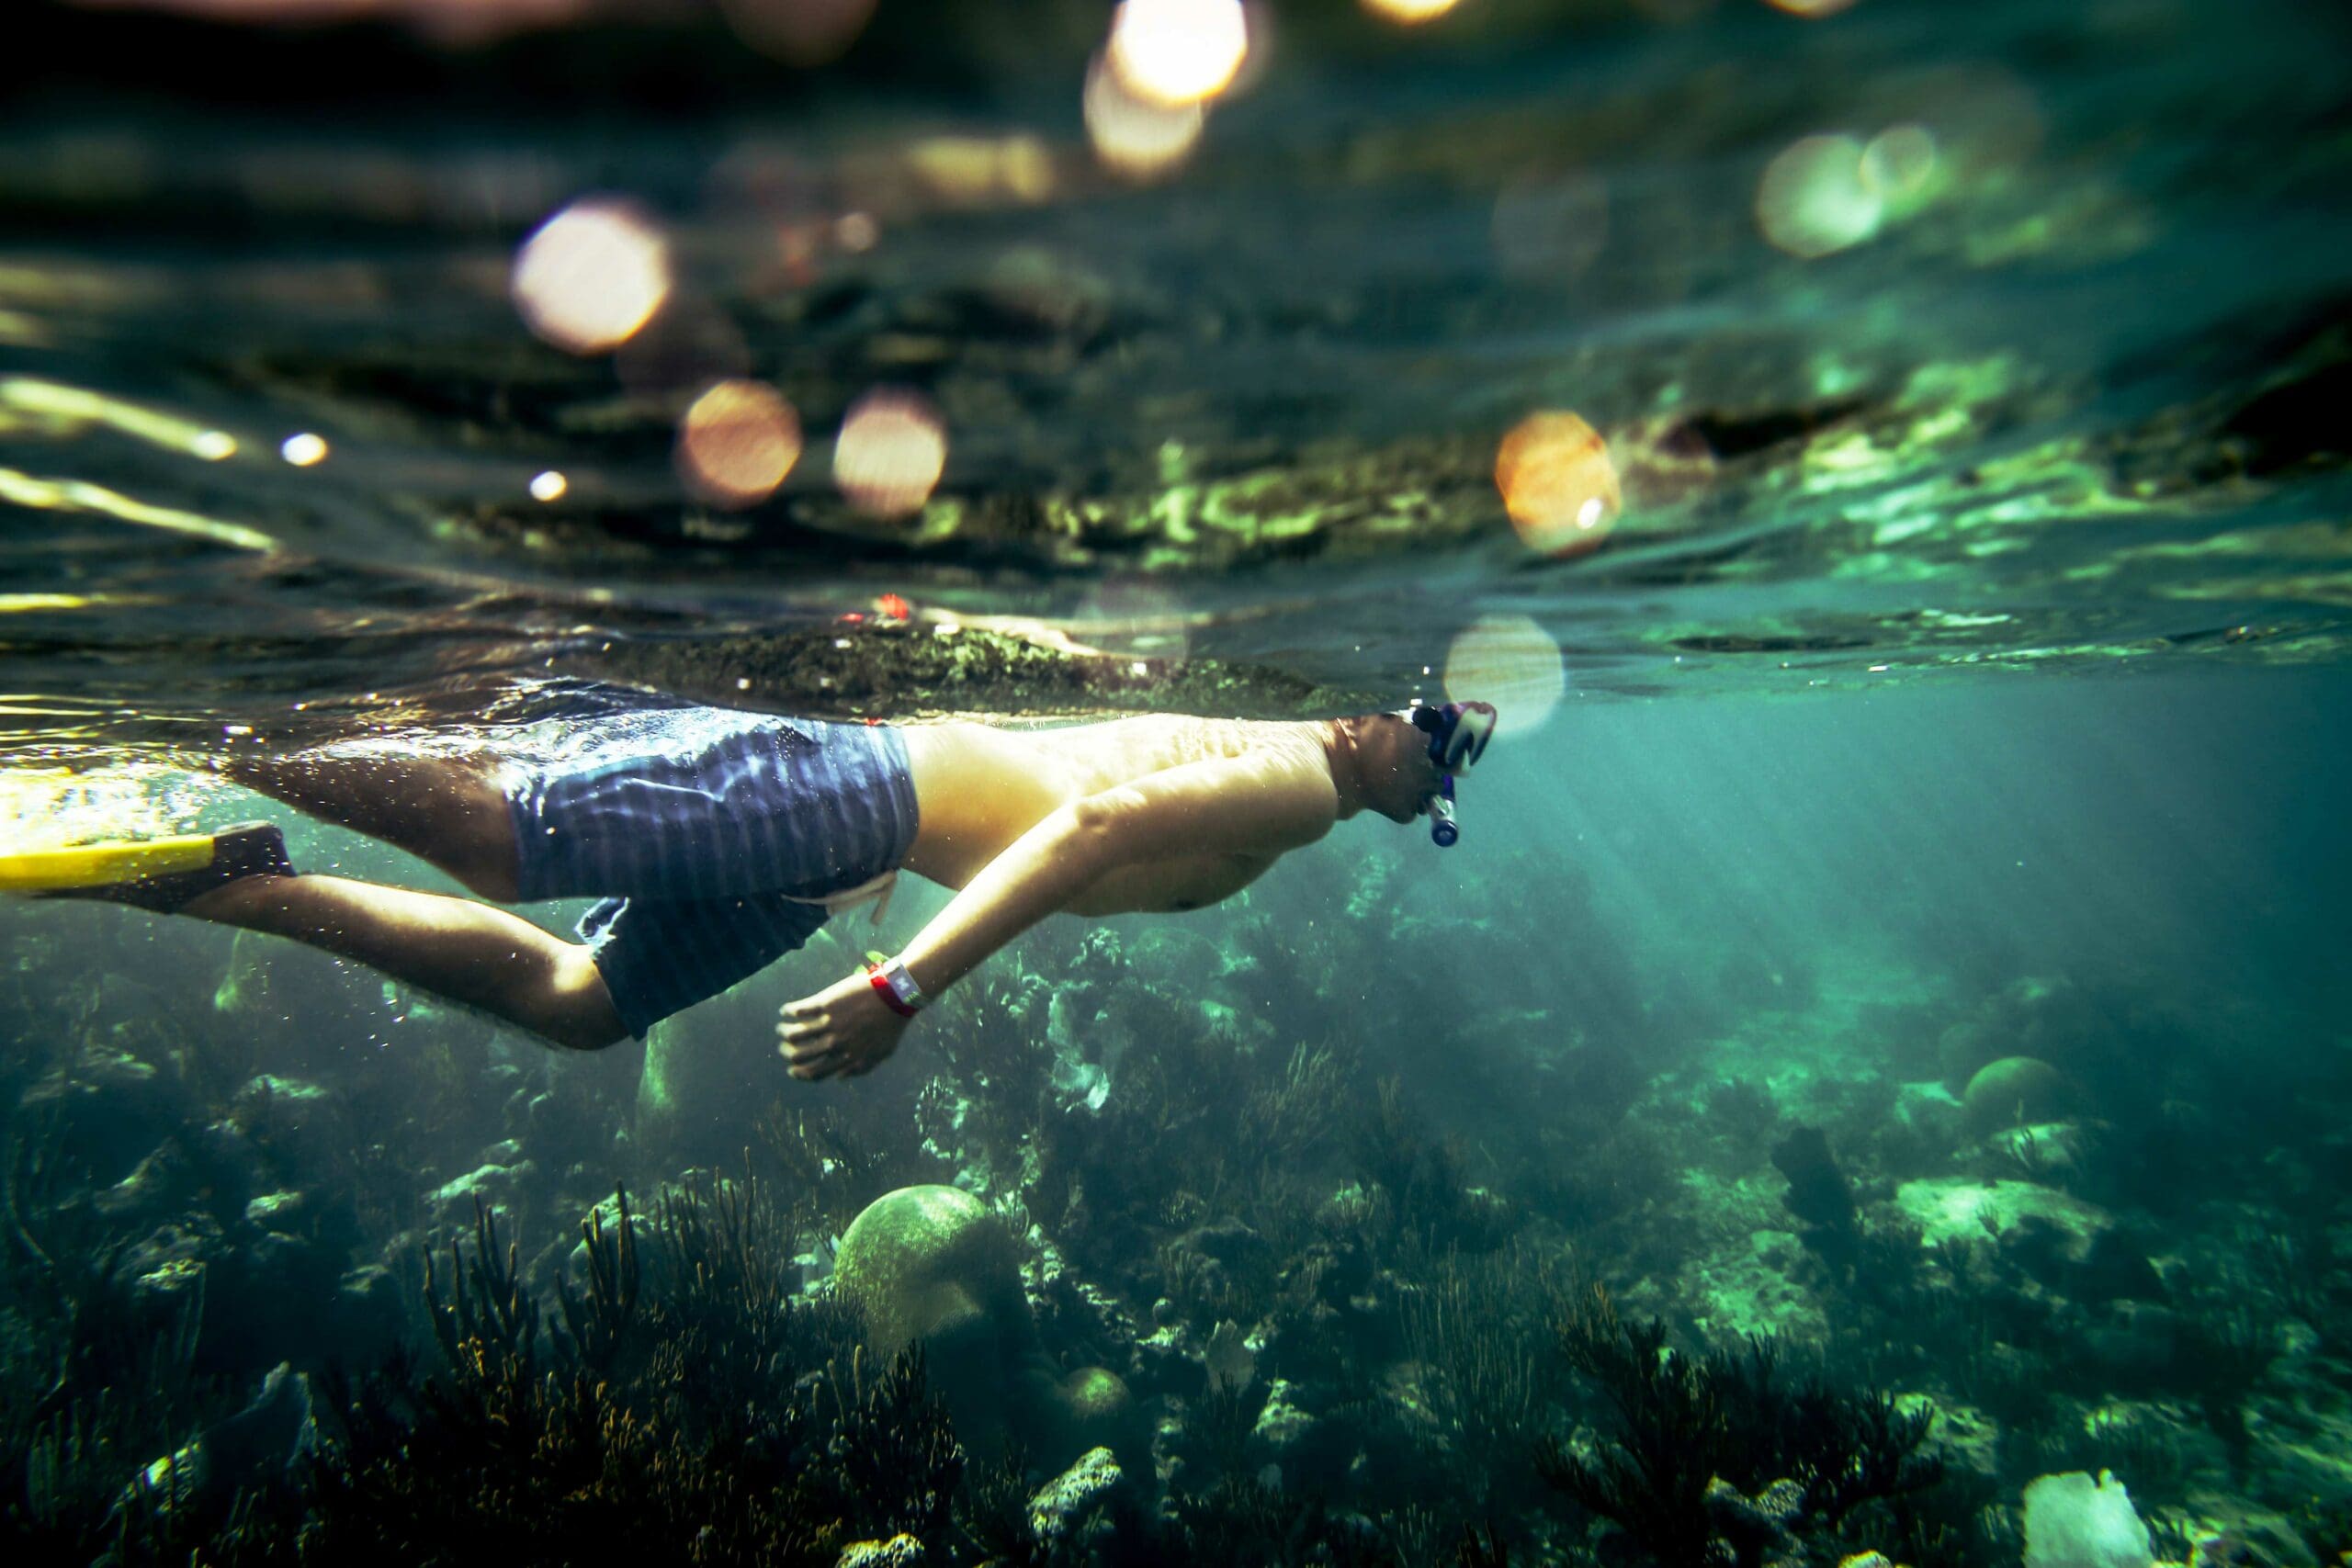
(844, 1031)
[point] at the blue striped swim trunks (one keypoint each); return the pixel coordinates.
(698, 829)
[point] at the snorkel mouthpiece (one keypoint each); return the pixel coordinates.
(1458, 734)
(1442, 830)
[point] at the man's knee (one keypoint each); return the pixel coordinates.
(479, 848)
(488, 876)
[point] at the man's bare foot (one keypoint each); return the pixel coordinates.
(248, 849)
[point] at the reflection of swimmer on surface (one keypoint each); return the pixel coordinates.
(719, 840)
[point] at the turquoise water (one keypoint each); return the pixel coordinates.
(1900, 916)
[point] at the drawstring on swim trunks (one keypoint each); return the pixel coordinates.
(879, 889)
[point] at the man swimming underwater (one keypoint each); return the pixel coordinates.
(719, 840)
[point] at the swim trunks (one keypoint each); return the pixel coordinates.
(712, 838)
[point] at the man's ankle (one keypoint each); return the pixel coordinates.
(233, 902)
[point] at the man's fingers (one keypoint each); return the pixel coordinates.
(820, 1059)
(815, 1063)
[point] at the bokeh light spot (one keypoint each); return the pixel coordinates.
(1134, 136)
(592, 275)
(1174, 52)
(213, 446)
(737, 442)
(979, 171)
(304, 450)
(1814, 200)
(1512, 662)
(1810, 9)
(1558, 483)
(1898, 162)
(891, 453)
(548, 486)
(1410, 11)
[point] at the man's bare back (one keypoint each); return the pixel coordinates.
(980, 788)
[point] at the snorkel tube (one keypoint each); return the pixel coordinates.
(1443, 829)
(1458, 734)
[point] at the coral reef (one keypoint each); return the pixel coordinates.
(1714, 1459)
(1171, 1247)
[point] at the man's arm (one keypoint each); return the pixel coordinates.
(1264, 803)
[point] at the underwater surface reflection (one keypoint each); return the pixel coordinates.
(1887, 338)
(1869, 1086)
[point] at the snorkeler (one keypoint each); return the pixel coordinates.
(719, 840)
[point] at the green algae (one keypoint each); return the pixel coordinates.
(908, 670)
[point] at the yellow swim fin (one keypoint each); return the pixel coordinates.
(91, 865)
(154, 873)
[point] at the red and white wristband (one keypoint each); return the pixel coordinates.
(891, 982)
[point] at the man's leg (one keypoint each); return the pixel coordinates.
(449, 811)
(455, 948)
(452, 813)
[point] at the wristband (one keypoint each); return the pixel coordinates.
(891, 982)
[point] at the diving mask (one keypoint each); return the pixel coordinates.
(1458, 734)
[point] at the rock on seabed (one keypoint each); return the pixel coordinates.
(2001, 1215)
(1063, 1502)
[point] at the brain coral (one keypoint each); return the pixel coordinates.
(2014, 1092)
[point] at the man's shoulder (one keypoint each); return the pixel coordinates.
(1123, 750)
(1286, 768)
(1260, 801)
(1302, 749)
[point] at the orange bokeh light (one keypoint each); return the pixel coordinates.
(890, 455)
(1558, 484)
(737, 443)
